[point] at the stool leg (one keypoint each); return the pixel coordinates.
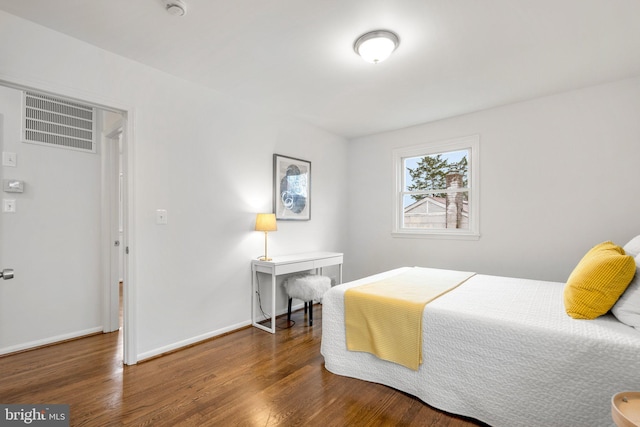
(289, 311)
(305, 307)
(311, 313)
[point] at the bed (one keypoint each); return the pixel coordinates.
(503, 351)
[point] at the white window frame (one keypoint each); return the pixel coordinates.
(470, 143)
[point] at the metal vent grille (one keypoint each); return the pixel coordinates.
(58, 122)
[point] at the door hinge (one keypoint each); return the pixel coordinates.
(127, 250)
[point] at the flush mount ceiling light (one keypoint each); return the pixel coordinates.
(376, 46)
(176, 7)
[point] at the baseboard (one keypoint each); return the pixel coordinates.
(199, 338)
(50, 340)
(189, 342)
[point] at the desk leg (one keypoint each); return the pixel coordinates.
(255, 283)
(273, 303)
(253, 296)
(339, 273)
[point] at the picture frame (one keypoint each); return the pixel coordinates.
(291, 188)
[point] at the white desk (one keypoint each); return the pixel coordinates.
(284, 265)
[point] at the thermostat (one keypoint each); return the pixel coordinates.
(13, 186)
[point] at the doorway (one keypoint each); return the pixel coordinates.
(66, 234)
(113, 221)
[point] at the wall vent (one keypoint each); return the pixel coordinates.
(57, 122)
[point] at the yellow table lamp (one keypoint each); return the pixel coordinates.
(266, 222)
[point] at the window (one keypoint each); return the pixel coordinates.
(436, 189)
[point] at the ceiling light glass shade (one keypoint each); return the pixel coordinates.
(376, 46)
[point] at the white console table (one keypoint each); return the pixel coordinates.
(284, 265)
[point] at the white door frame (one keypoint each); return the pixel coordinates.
(130, 355)
(129, 297)
(110, 207)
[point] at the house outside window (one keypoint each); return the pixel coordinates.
(436, 191)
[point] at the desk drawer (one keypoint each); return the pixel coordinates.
(327, 261)
(294, 267)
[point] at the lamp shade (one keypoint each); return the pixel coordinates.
(376, 46)
(266, 222)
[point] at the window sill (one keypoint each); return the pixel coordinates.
(436, 235)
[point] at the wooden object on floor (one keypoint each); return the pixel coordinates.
(244, 378)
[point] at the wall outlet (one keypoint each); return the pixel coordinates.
(161, 216)
(9, 159)
(9, 205)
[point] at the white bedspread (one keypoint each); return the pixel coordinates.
(503, 351)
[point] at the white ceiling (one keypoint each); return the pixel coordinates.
(296, 56)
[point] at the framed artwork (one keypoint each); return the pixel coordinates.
(291, 188)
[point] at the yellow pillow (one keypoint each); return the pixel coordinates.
(598, 280)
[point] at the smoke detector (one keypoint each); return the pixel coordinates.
(175, 7)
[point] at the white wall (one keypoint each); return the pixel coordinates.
(558, 175)
(207, 160)
(50, 241)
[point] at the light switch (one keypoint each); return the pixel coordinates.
(161, 216)
(9, 205)
(9, 159)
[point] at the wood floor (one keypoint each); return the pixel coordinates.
(247, 378)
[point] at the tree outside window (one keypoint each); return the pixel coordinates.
(436, 189)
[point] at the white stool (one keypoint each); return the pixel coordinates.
(306, 288)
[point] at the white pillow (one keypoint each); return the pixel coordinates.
(632, 247)
(627, 308)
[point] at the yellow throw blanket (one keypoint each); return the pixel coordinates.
(385, 318)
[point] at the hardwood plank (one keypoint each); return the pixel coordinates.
(246, 378)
